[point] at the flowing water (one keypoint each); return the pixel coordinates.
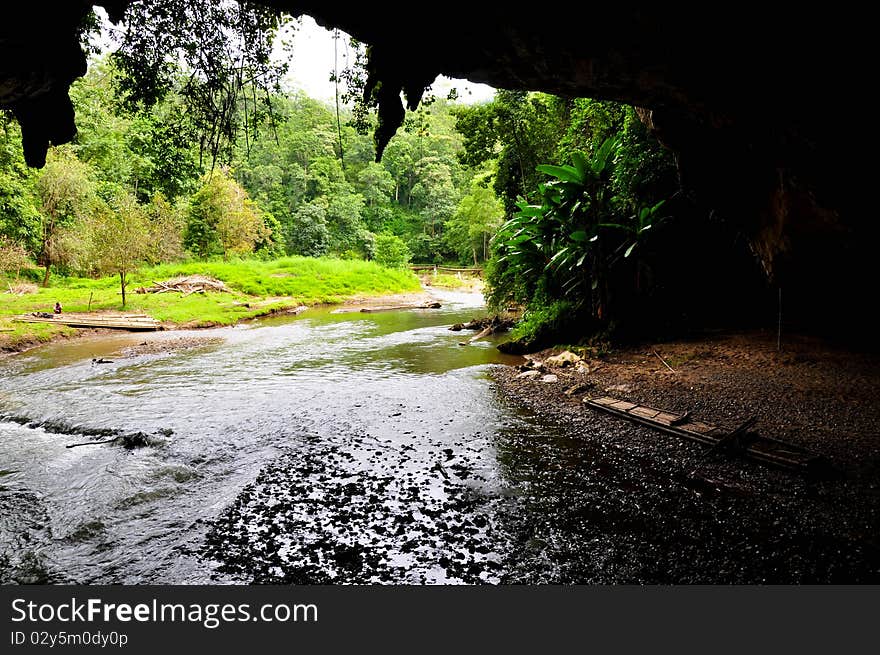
(319, 448)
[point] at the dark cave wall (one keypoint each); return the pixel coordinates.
(40, 56)
(754, 103)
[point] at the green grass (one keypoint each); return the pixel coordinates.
(264, 285)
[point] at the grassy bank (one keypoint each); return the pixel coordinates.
(264, 286)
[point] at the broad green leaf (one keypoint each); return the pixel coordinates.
(531, 211)
(580, 235)
(603, 154)
(564, 173)
(580, 163)
(617, 226)
(557, 256)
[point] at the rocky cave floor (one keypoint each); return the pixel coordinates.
(628, 503)
(587, 497)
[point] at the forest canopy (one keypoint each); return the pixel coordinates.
(201, 154)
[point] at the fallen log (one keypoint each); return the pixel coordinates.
(663, 361)
(485, 333)
(431, 304)
(94, 443)
(497, 323)
(134, 440)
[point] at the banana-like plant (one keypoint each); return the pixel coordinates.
(579, 231)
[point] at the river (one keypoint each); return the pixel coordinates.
(325, 447)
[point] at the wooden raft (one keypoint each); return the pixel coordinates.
(136, 322)
(763, 449)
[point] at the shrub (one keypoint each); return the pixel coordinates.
(391, 251)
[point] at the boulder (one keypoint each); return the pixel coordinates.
(563, 359)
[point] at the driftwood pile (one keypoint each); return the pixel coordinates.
(22, 288)
(498, 323)
(186, 285)
(487, 326)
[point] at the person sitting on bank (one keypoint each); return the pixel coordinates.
(57, 307)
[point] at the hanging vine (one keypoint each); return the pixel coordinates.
(216, 56)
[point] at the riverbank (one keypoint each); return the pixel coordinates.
(255, 289)
(655, 508)
(457, 281)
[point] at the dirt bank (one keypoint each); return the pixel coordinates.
(620, 502)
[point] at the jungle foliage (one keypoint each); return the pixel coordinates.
(189, 152)
(585, 188)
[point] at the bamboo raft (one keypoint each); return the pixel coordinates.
(741, 440)
(134, 322)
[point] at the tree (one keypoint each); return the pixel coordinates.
(119, 237)
(307, 232)
(435, 193)
(165, 227)
(222, 219)
(391, 251)
(478, 217)
(376, 184)
(13, 257)
(517, 129)
(148, 150)
(326, 178)
(67, 195)
(225, 49)
(19, 218)
(344, 220)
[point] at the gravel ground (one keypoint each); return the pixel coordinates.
(606, 500)
(361, 510)
(175, 344)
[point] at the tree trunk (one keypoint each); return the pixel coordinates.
(122, 284)
(46, 276)
(475, 258)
